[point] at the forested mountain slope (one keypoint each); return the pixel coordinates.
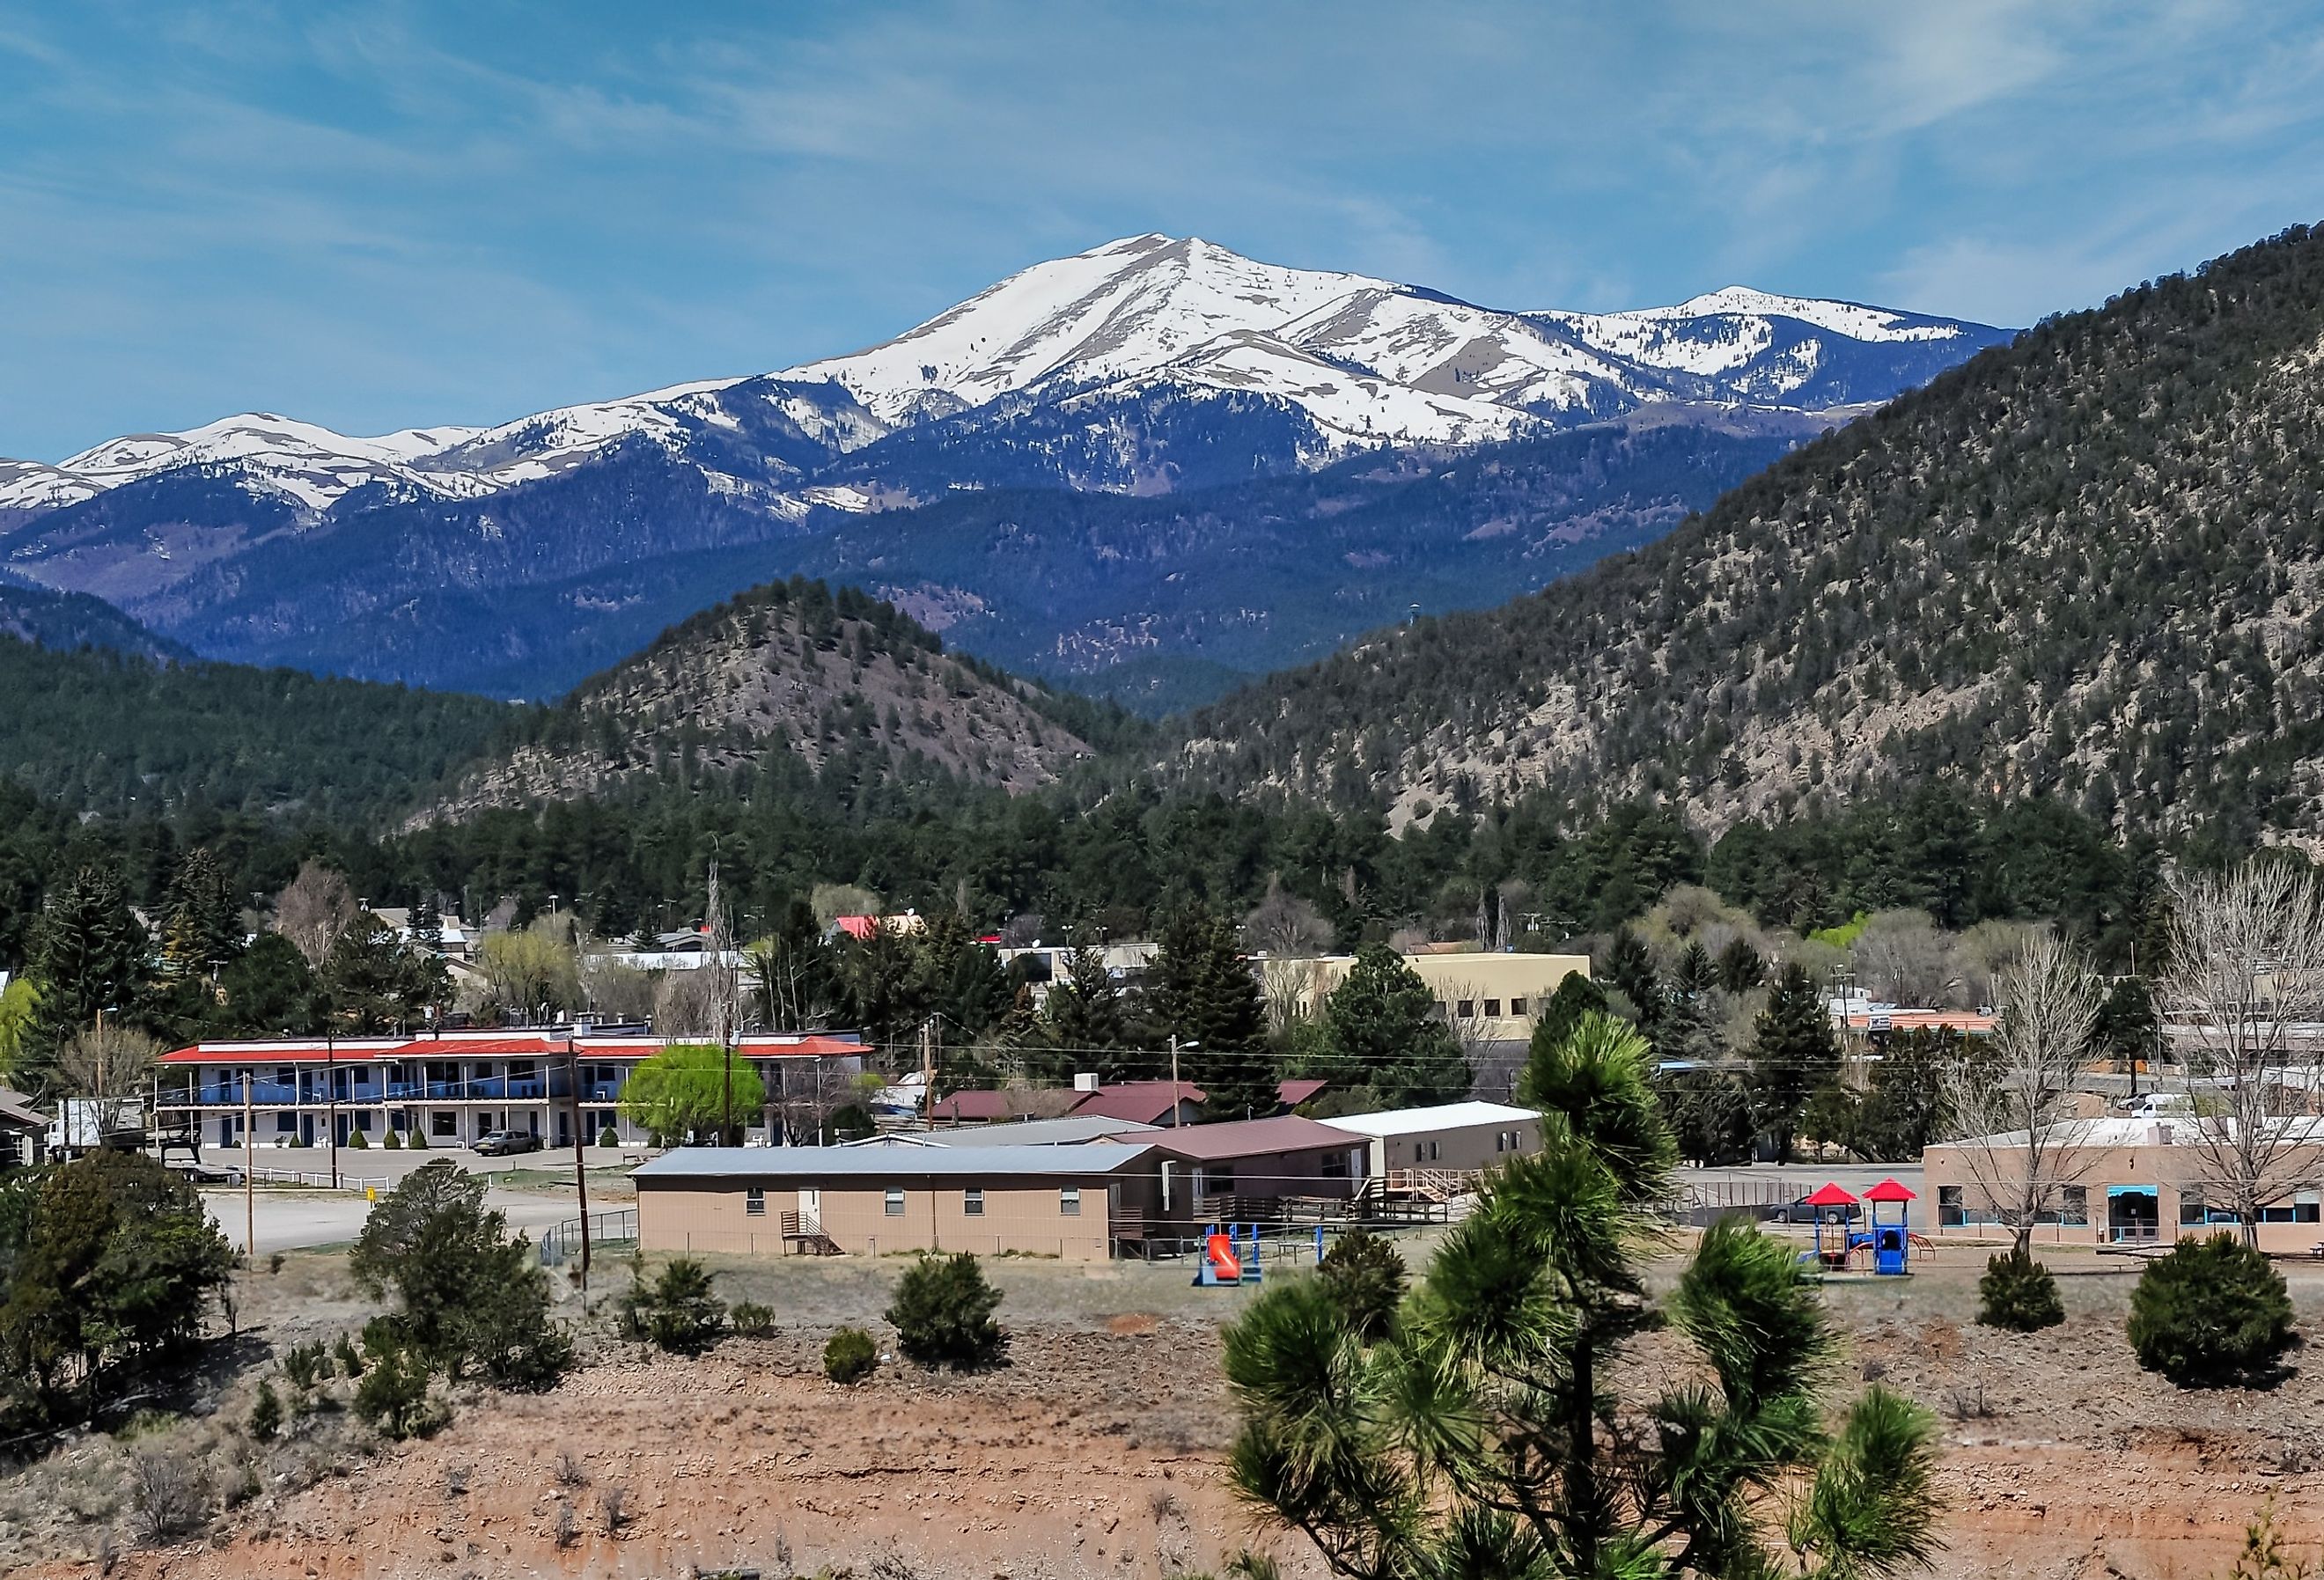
(109, 731)
(2087, 564)
(69, 620)
(836, 680)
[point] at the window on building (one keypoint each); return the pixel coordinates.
(1948, 1207)
(2074, 1203)
(1435, 1151)
(754, 1202)
(1517, 1006)
(2279, 1214)
(1467, 1007)
(443, 1124)
(895, 1201)
(1069, 1201)
(286, 1122)
(363, 1122)
(1333, 1166)
(2304, 1206)
(1492, 1008)
(2190, 1207)
(971, 1202)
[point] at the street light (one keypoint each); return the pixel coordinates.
(1176, 1095)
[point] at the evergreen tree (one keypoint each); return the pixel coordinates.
(1631, 969)
(1086, 1016)
(1740, 968)
(1575, 997)
(1794, 1052)
(202, 930)
(1383, 1030)
(2125, 1026)
(270, 990)
(89, 955)
(1201, 989)
(426, 923)
(376, 981)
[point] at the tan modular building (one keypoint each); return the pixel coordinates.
(2129, 1181)
(1063, 1201)
(1463, 1137)
(1490, 997)
(1246, 1167)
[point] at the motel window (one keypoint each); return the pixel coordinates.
(443, 1124)
(971, 1202)
(1069, 1201)
(286, 1122)
(895, 1201)
(1517, 1006)
(2074, 1203)
(1492, 1008)
(754, 1202)
(1467, 1007)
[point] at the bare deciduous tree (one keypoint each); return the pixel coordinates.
(1285, 925)
(314, 909)
(2013, 1104)
(2246, 966)
(108, 1063)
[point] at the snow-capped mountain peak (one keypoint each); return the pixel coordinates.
(1350, 361)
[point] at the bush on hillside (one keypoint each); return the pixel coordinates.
(679, 1311)
(2018, 1293)
(394, 1393)
(748, 1319)
(266, 1413)
(943, 1314)
(1367, 1277)
(2212, 1314)
(850, 1356)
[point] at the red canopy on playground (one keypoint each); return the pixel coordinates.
(1830, 1195)
(1889, 1190)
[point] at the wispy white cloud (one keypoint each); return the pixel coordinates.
(386, 213)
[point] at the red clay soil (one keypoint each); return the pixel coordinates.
(1097, 1454)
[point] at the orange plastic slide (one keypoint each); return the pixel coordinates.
(1224, 1264)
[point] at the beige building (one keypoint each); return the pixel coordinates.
(1485, 996)
(1065, 1201)
(2133, 1182)
(1458, 1137)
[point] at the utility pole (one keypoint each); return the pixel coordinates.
(928, 1074)
(331, 1096)
(580, 1173)
(1173, 1080)
(249, 1171)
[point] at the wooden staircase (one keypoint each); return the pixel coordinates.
(804, 1235)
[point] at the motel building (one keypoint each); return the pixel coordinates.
(450, 1088)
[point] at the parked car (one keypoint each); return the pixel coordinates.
(506, 1143)
(204, 1174)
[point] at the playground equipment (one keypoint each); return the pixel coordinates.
(1831, 1198)
(1225, 1259)
(1892, 1244)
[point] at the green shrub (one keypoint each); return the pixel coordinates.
(607, 1137)
(2212, 1314)
(852, 1122)
(417, 1141)
(751, 1320)
(266, 1415)
(307, 1365)
(394, 1394)
(349, 1360)
(2018, 1293)
(1367, 1277)
(392, 1141)
(357, 1142)
(679, 1311)
(850, 1356)
(943, 1314)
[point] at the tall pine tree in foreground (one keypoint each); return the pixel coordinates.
(1480, 1436)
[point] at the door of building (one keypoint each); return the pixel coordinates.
(810, 1208)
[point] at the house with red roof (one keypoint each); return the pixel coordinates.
(448, 1088)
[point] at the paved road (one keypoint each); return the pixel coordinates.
(292, 1220)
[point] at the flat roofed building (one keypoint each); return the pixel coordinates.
(2128, 1181)
(449, 1089)
(1066, 1201)
(1459, 1136)
(1489, 996)
(1234, 1169)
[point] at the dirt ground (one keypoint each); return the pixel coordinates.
(1097, 1452)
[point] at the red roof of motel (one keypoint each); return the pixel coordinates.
(1830, 1195)
(1889, 1190)
(515, 1045)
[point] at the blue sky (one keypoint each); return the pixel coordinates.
(387, 214)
